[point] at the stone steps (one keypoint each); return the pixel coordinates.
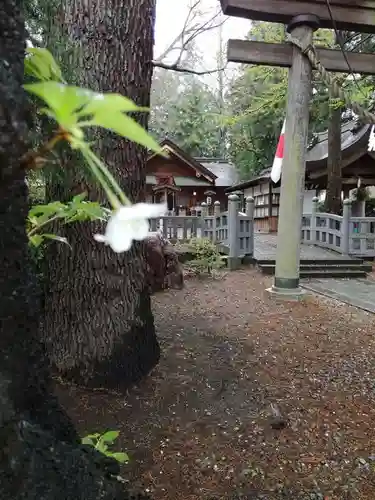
(345, 268)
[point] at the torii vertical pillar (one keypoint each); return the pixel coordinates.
(286, 283)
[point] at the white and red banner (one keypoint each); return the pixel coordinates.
(278, 160)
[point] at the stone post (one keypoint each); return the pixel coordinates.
(250, 214)
(217, 208)
(233, 258)
(286, 282)
(362, 208)
(204, 213)
(250, 207)
(217, 211)
(345, 228)
(314, 210)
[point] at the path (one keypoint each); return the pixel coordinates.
(199, 428)
(356, 292)
(265, 249)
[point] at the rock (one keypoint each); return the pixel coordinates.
(277, 420)
(164, 268)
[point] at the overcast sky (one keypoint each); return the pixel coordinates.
(171, 15)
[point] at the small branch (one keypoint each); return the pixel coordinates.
(35, 159)
(178, 69)
(191, 29)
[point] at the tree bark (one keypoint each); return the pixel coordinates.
(23, 377)
(98, 327)
(40, 454)
(333, 202)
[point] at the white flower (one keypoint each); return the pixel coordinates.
(371, 141)
(129, 223)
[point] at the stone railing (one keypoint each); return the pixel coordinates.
(232, 229)
(345, 234)
(362, 236)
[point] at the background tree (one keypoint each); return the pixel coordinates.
(186, 105)
(256, 101)
(362, 88)
(98, 326)
(184, 109)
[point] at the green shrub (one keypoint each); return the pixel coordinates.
(102, 443)
(206, 257)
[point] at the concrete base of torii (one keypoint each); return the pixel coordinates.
(285, 295)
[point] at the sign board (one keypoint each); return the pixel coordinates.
(351, 15)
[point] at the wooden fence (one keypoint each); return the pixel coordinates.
(348, 235)
(232, 229)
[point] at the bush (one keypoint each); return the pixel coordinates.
(206, 257)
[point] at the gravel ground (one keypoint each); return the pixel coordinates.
(269, 401)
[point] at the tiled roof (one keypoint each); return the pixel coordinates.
(225, 172)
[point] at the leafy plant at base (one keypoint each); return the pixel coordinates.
(102, 443)
(207, 258)
(77, 210)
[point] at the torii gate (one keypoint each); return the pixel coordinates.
(303, 18)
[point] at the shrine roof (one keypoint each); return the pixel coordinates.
(226, 172)
(354, 141)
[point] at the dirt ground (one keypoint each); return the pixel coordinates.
(201, 426)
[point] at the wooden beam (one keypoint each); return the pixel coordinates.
(370, 181)
(280, 54)
(313, 176)
(351, 15)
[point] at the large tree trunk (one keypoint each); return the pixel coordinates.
(334, 180)
(99, 328)
(40, 454)
(24, 381)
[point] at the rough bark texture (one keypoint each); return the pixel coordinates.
(333, 202)
(40, 454)
(23, 377)
(99, 328)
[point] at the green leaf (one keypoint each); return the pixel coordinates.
(87, 440)
(46, 210)
(78, 198)
(102, 447)
(96, 435)
(90, 211)
(126, 127)
(68, 103)
(36, 240)
(40, 63)
(109, 437)
(110, 103)
(120, 457)
(63, 100)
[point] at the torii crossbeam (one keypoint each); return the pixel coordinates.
(351, 15)
(304, 17)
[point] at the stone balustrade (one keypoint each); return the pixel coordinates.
(346, 234)
(231, 229)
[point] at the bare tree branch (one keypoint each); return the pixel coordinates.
(185, 30)
(179, 69)
(193, 27)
